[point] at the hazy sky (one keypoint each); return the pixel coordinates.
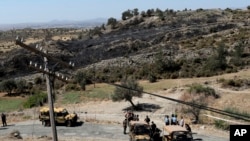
(23, 11)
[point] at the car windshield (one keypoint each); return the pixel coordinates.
(141, 129)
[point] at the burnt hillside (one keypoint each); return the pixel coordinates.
(167, 43)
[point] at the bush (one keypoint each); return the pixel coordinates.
(236, 111)
(233, 83)
(71, 87)
(197, 88)
(152, 78)
(35, 100)
(221, 124)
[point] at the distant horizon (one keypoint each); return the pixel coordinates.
(30, 11)
(55, 20)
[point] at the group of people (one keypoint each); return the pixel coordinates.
(3, 116)
(128, 117)
(174, 121)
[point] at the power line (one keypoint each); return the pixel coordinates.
(218, 111)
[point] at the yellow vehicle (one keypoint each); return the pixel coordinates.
(61, 117)
(139, 131)
(176, 133)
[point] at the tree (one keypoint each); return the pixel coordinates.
(131, 89)
(136, 12)
(8, 86)
(248, 7)
(112, 22)
(200, 95)
(127, 15)
(217, 61)
(237, 54)
(81, 78)
(21, 85)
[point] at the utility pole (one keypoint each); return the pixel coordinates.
(50, 101)
(49, 80)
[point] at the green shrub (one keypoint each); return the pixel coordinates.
(152, 78)
(236, 111)
(221, 124)
(71, 87)
(35, 100)
(197, 88)
(72, 97)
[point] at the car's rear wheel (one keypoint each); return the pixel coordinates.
(69, 123)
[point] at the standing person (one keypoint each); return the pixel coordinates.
(147, 119)
(125, 125)
(136, 117)
(181, 122)
(173, 120)
(166, 120)
(153, 127)
(4, 119)
(188, 127)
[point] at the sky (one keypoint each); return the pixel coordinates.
(34, 11)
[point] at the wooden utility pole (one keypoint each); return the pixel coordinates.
(50, 101)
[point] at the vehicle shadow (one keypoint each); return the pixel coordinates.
(79, 123)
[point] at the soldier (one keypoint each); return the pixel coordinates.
(153, 127)
(125, 125)
(188, 127)
(147, 119)
(4, 119)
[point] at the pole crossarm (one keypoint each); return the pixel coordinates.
(51, 74)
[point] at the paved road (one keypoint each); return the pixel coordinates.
(84, 131)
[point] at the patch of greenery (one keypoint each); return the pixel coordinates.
(221, 125)
(10, 104)
(36, 99)
(71, 87)
(233, 83)
(236, 111)
(100, 92)
(71, 97)
(197, 88)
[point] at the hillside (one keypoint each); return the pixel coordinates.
(174, 37)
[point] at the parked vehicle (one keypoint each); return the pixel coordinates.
(61, 117)
(139, 131)
(176, 133)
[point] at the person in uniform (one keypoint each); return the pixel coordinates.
(4, 119)
(125, 125)
(147, 120)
